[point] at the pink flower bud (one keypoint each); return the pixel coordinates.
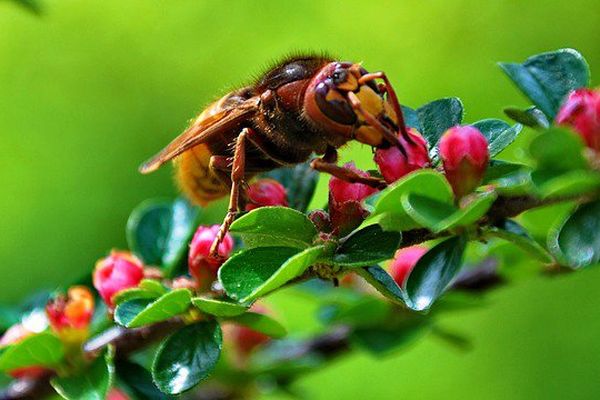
(342, 191)
(266, 192)
(119, 271)
(14, 335)
(394, 165)
(464, 153)
(116, 394)
(345, 209)
(201, 265)
(404, 261)
(72, 313)
(581, 111)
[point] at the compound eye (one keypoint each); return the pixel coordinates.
(339, 76)
(333, 105)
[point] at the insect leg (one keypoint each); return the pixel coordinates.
(375, 123)
(237, 178)
(393, 100)
(325, 165)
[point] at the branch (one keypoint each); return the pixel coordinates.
(329, 345)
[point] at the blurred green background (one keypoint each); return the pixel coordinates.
(91, 88)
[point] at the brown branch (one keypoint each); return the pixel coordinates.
(330, 345)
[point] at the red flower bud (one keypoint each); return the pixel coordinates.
(201, 265)
(116, 394)
(581, 111)
(345, 209)
(394, 165)
(404, 261)
(119, 271)
(73, 312)
(464, 153)
(14, 335)
(342, 191)
(266, 192)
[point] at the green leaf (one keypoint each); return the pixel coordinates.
(293, 267)
(498, 133)
(159, 231)
(394, 336)
(575, 241)
(275, 226)
(138, 312)
(425, 182)
(138, 380)
(367, 246)
(411, 118)
(360, 312)
(434, 272)
(260, 323)
(438, 216)
(509, 179)
(439, 115)
(512, 232)
(42, 349)
(147, 289)
(382, 282)
(557, 149)
(531, 117)
(134, 293)
(187, 357)
(218, 308)
(299, 181)
(548, 77)
(92, 384)
(550, 184)
(246, 271)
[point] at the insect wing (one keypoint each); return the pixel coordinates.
(202, 130)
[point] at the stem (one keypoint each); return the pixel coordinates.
(329, 345)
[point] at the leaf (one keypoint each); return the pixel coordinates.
(438, 216)
(498, 133)
(92, 384)
(425, 182)
(138, 312)
(187, 357)
(218, 308)
(275, 226)
(548, 77)
(133, 293)
(411, 118)
(360, 312)
(509, 179)
(260, 323)
(438, 116)
(244, 272)
(551, 184)
(293, 267)
(575, 241)
(512, 232)
(433, 273)
(367, 246)
(382, 282)
(557, 149)
(299, 181)
(159, 231)
(42, 349)
(531, 117)
(138, 380)
(385, 339)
